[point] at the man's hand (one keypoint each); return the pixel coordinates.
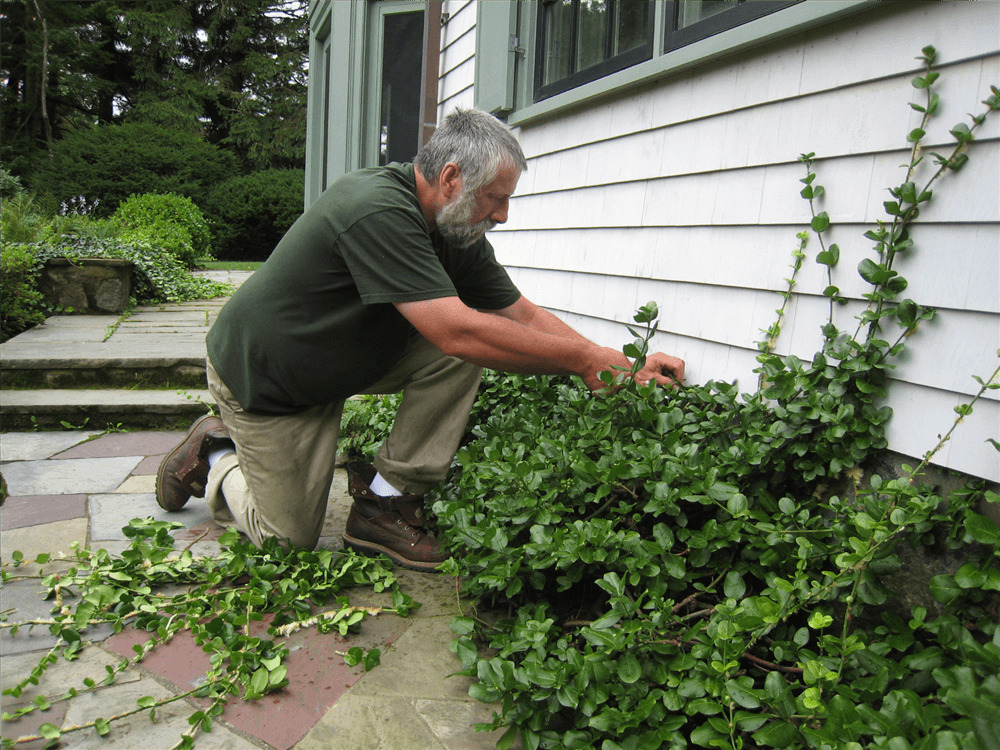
(658, 367)
(662, 368)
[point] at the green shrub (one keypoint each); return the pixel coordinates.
(113, 162)
(171, 222)
(250, 214)
(21, 304)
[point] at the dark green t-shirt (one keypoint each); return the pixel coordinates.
(316, 323)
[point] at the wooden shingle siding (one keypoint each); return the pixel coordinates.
(686, 191)
(458, 52)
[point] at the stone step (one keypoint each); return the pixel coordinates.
(100, 408)
(149, 348)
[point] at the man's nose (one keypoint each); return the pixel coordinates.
(499, 215)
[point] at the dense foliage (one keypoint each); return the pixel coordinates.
(152, 232)
(169, 221)
(250, 214)
(112, 162)
(21, 304)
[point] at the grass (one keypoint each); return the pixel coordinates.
(231, 265)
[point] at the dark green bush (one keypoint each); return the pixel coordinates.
(21, 304)
(112, 162)
(250, 214)
(169, 221)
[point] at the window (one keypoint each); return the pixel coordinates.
(582, 40)
(690, 20)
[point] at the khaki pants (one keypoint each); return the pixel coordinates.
(278, 483)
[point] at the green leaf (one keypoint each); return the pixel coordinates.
(734, 586)
(820, 222)
(830, 256)
(507, 740)
(743, 695)
(819, 620)
(871, 271)
(945, 589)
(982, 529)
(915, 135)
(629, 669)
(737, 505)
(778, 734)
(962, 133)
(969, 576)
(906, 313)
(706, 736)
(50, 731)
(277, 675)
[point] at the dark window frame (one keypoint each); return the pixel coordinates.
(744, 12)
(605, 67)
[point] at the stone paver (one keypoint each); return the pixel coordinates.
(68, 477)
(28, 446)
(32, 510)
(110, 513)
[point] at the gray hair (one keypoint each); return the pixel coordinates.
(477, 142)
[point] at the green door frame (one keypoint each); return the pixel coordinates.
(343, 110)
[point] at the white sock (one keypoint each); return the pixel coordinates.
(382, 488)
(218, 453)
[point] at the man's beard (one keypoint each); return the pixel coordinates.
(453, 221)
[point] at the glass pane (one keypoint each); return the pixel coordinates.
(399, 129)
(593, 33)
(558, 40)
(692, 11)
(631, 26)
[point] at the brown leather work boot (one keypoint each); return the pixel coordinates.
(388, 525)
(184, 471)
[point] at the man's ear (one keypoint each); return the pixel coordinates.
(450, 181)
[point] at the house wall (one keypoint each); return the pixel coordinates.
(685, 192)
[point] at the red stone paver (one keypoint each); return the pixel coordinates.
(317, 675)
(32, 510)
(125, 444)
(148, 466)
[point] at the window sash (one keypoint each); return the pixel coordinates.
(575, 66)
(720, 18)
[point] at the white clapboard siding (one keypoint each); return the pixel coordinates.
(686, 192)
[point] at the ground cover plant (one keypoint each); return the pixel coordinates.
(704, 568)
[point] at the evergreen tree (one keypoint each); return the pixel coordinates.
(232, 71)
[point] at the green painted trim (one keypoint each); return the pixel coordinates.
(782, 23)
(495, 59)
(346, 22)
